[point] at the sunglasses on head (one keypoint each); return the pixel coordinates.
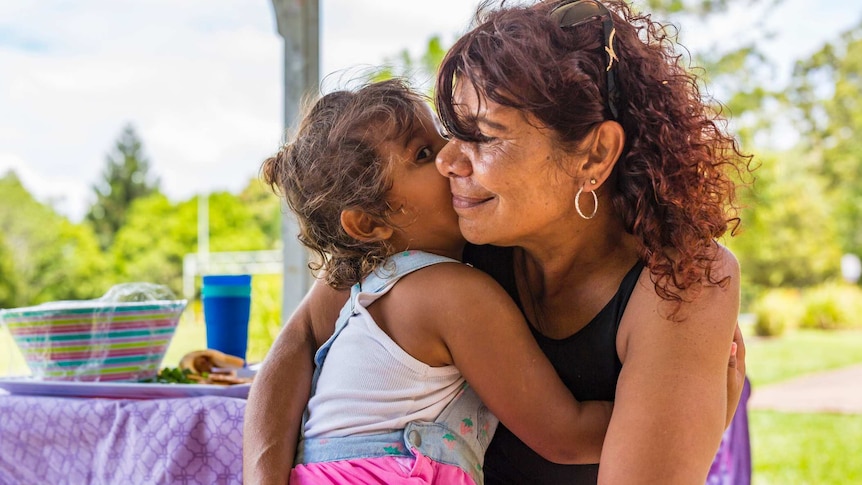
(578, 12)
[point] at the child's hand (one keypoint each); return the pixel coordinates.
(735, 374)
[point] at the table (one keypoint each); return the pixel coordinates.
(196, 440)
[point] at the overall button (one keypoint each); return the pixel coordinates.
(415, 438)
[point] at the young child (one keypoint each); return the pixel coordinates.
(390, 400)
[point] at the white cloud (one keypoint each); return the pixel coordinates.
(203, 91)
(201, 79)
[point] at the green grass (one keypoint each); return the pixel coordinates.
(11, 361)
(805, 449)
(797, 448)
(191, 335)
(775, 359)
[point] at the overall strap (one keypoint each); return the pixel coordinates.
(459, 436)
(396, 266)
(389, 273)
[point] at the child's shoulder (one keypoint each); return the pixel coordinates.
(448, 285)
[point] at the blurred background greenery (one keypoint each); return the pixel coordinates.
(801, 215)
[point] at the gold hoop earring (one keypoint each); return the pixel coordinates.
(578, 203)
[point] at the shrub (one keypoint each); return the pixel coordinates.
(265, 320)
(777, 310)
(832, 306)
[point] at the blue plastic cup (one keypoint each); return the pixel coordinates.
(227, 304)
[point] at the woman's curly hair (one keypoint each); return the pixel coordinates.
(333, 164)
(673, 185)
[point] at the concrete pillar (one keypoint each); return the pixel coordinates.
(298, 22)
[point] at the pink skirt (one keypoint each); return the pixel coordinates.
(383, 470)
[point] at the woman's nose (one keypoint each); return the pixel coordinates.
(452, 160)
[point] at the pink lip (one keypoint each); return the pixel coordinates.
(463, 202)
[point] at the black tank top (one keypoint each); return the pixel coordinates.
(587, 362)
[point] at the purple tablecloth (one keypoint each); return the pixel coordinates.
(79, 441)
(184, 441)
(732, 465)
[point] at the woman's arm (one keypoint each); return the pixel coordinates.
(671, 397)
(281, 388)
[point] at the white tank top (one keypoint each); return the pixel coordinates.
(368, 384)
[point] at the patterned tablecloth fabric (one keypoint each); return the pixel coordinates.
(195, 440)
(732, 464)
(102, 441)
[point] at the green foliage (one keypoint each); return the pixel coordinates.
(265, 319)
(124, 179)
(776, 311)
(151, 244)
(8, 277)
(805, 449)
(73, 268)
(233, 225)
(832, 306)
(53, 258)
(150, 247)
(788, 236)
(421, 70)
(827, 92)
(264, 207)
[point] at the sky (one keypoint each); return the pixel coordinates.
(201, 80)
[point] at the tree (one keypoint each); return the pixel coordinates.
(8, 277)
(265, 208)
(124, 179)
(157, 235)
(421, 71)
(53, 258)
(149, 246)
(827, 92)
(789, 236)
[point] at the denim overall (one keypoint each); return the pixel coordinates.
(460, 434)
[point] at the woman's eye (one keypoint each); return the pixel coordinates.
(479, 137)
(424, 153)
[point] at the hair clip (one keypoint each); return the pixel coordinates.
(574, 13)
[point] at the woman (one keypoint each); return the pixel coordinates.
(592, 180)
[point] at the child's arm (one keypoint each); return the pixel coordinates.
(281, 389)
(477, 325)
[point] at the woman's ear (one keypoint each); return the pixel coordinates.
(606, 148)
(363, 227)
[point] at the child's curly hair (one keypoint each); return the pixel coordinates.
(334, 164)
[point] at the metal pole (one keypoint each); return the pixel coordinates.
(203, 230)
(298, 22)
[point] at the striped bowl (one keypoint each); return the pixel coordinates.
(94, 340)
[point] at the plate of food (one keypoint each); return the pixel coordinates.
(201, 373)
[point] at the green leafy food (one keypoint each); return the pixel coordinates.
(172, 375)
